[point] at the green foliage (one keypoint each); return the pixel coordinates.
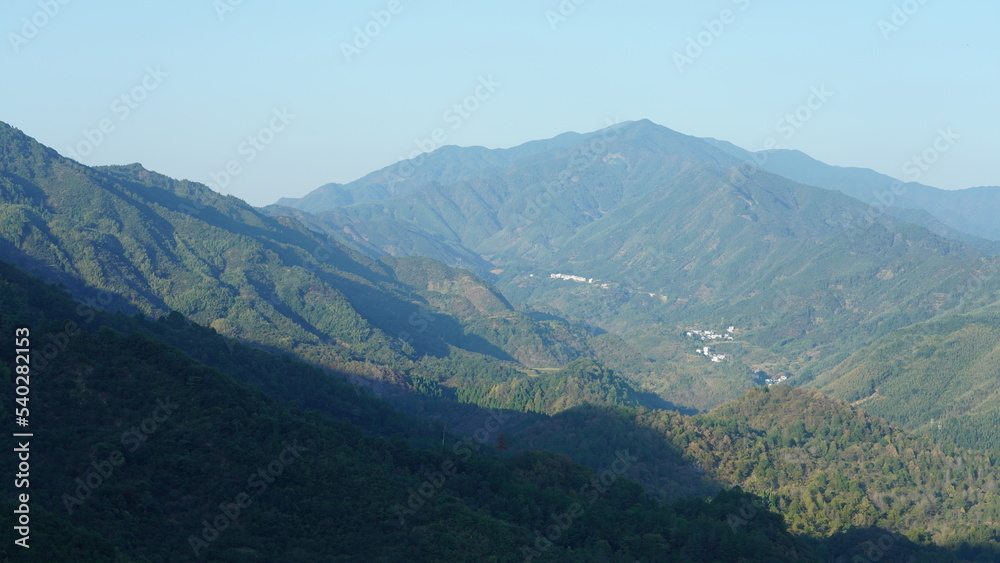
(809, 276)
(477, 380)
(828, 469)
(805, 298)
(939, 377)
(143, 447)
(154, 245)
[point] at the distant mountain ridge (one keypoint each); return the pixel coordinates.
(155, 245)
(675, 237)
(807, 276)
(971, 211)
(965, 212)
(457, 163)
(662, 253)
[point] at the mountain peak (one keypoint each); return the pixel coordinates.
(10, 135)
(18, 151)
(643, 127)
(640, 124)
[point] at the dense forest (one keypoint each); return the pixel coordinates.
(151, 455)
(211, 382)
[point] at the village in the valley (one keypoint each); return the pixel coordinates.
(711, 335)
(703, 335)
(706, 335)
(577, 279)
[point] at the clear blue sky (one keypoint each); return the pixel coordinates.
(893, 89)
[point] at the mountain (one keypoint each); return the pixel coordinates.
(826, 467)
(968, 211)
(826, 453)
(383, 236)
(164, 245)
(670, 234)
(807, 331)
(151, 455)
(470, 210)
(929, 222)
(139, 241)
(151, 423)
(939, 376)
(449, 164)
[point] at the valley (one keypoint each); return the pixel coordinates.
(668, 240)
(483, 282)
(751, 369)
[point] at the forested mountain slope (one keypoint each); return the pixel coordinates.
(152, 244)
(143, 454)
(669, 234)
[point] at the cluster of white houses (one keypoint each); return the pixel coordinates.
(568, 277)
(711, 334)
(710, 355)
(578, 279)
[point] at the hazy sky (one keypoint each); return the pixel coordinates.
(291, 95)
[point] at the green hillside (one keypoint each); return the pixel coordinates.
(939, 376)
(148, 455)
(207, 395)
(154, 245)
(829, 469)
(675, 234)
(966, 211)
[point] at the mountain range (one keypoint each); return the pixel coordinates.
(401, 351)
(679, 233)
(964, 212)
